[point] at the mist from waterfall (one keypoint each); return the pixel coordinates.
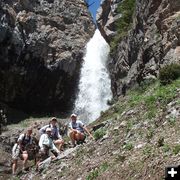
(94, 85)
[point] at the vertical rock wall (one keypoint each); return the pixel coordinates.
(41, 48)
(152, 42)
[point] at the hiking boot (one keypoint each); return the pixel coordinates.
(81, 142)
(14, 176)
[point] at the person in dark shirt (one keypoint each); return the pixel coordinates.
(19, 149)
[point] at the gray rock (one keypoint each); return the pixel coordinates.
(42, 47)
(152, 42)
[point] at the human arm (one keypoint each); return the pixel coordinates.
(86, 129)
(41, 140)
(19, 141)
(43, 129)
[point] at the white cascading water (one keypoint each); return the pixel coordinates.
(94, 85)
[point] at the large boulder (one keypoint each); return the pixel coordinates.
(41, 49)
(152, 42)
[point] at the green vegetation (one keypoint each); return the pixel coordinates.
(176, 149)
(129, 126)
(128, 146)
(99, 133)
(96, 172)
(172, 121)
(126, 9)
(150, 95)
(166, 148)
(149, 134)
(169, 73)
(93, 175)
(147, 150)
(120, 158)
(80, 152)
(160, 96)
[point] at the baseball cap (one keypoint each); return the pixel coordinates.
(53, 119)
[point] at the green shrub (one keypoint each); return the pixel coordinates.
(169, 73)
(99, 134)
(93, 175)
(166, 148)
(176, 149)
(126, 9)
(147, 150)
(151, 113)
(96, 172)
(128, 146)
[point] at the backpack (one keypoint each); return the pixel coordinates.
(15, 139)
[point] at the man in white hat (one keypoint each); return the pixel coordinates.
(56, 137)
(77, 131)
(46, 144)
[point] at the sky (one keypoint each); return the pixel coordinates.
(93, 8)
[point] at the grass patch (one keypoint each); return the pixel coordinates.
(166, 148)
(151, 113)
(149, 134)
(129, 126)
(80, 152)
(93, 175)
(135, 100)
(172, 121)
(99, 133)
(147, 150)
(169, 73)
(96, 172)
(176, 149)
(149, 99)
(128, 146)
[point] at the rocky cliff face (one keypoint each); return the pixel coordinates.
(153, 41)
(41, 50)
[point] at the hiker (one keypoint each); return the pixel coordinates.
(77, 131)
(19, 150)
(56, 137)
(46, 144)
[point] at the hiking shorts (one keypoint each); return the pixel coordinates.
(15, 152)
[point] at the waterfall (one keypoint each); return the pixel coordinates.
(94, 85)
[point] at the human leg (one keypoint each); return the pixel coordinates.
(79, 136)
(72, 135)
(14, 166)
(15, 155)
(42, 155)
(25, 158)
(59, 143)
